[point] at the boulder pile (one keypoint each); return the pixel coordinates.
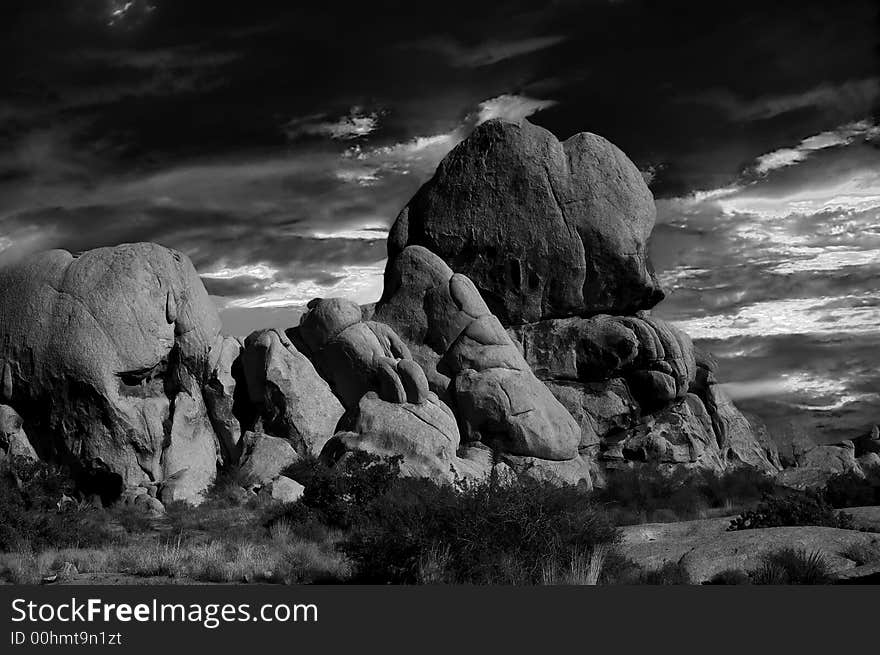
(514, 333)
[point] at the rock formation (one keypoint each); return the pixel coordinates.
(103, 355)
(512, 336)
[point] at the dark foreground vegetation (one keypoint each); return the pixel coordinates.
(361, 522)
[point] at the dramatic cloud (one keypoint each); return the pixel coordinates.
(275, 142)
(841, 136)
(777, 277)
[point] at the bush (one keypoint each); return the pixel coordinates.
(862, 554)
(642, 494)
(335, 496)
(851, 490)
(671, 573)
(481, 533)
(729, 577)
(805, 509)
(791, 566)
(29, 494)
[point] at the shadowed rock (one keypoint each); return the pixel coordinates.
(544, 229)
(292, 400)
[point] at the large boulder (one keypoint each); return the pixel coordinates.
(471, 361)
(510, 203)
(291, 399)
(103, 355)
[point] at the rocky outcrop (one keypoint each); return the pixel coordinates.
(544, 229)
(640, 393)
(432, 364)
(471, 360)
(816, 465)
(512, 336)
(103, 356)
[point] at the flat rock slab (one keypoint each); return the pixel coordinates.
(865, 518)
(705, 547)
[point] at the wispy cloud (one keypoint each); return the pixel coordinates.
(488, 52)
(357, 123)
(840, 136)
(853, 96)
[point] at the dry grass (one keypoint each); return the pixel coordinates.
(282, 559)
(582, 568)
(434, 566)
(26, 566)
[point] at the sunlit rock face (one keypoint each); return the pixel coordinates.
(103, 355)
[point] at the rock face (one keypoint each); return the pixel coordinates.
(544, 229)
(818, 464)
(640, 393)
(348, 352)
(103, 356)
(432, 364)
(291, 399)
(470, 359)
(225, 395)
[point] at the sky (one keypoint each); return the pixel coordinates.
(275, 142)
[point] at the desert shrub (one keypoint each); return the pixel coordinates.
(670, 573)
(335, 496)
(641, 494)
(792, 510)
(792, 566)
(729, 577)
(227, 489)
(134, 519)
(863, 553)
(851, 490)
(29, 493)
(619, 570)
(486, 533)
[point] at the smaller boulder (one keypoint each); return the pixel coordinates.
(264, 459)
(283, 489)
(13, 440)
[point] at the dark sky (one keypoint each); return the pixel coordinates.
(274, 143)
